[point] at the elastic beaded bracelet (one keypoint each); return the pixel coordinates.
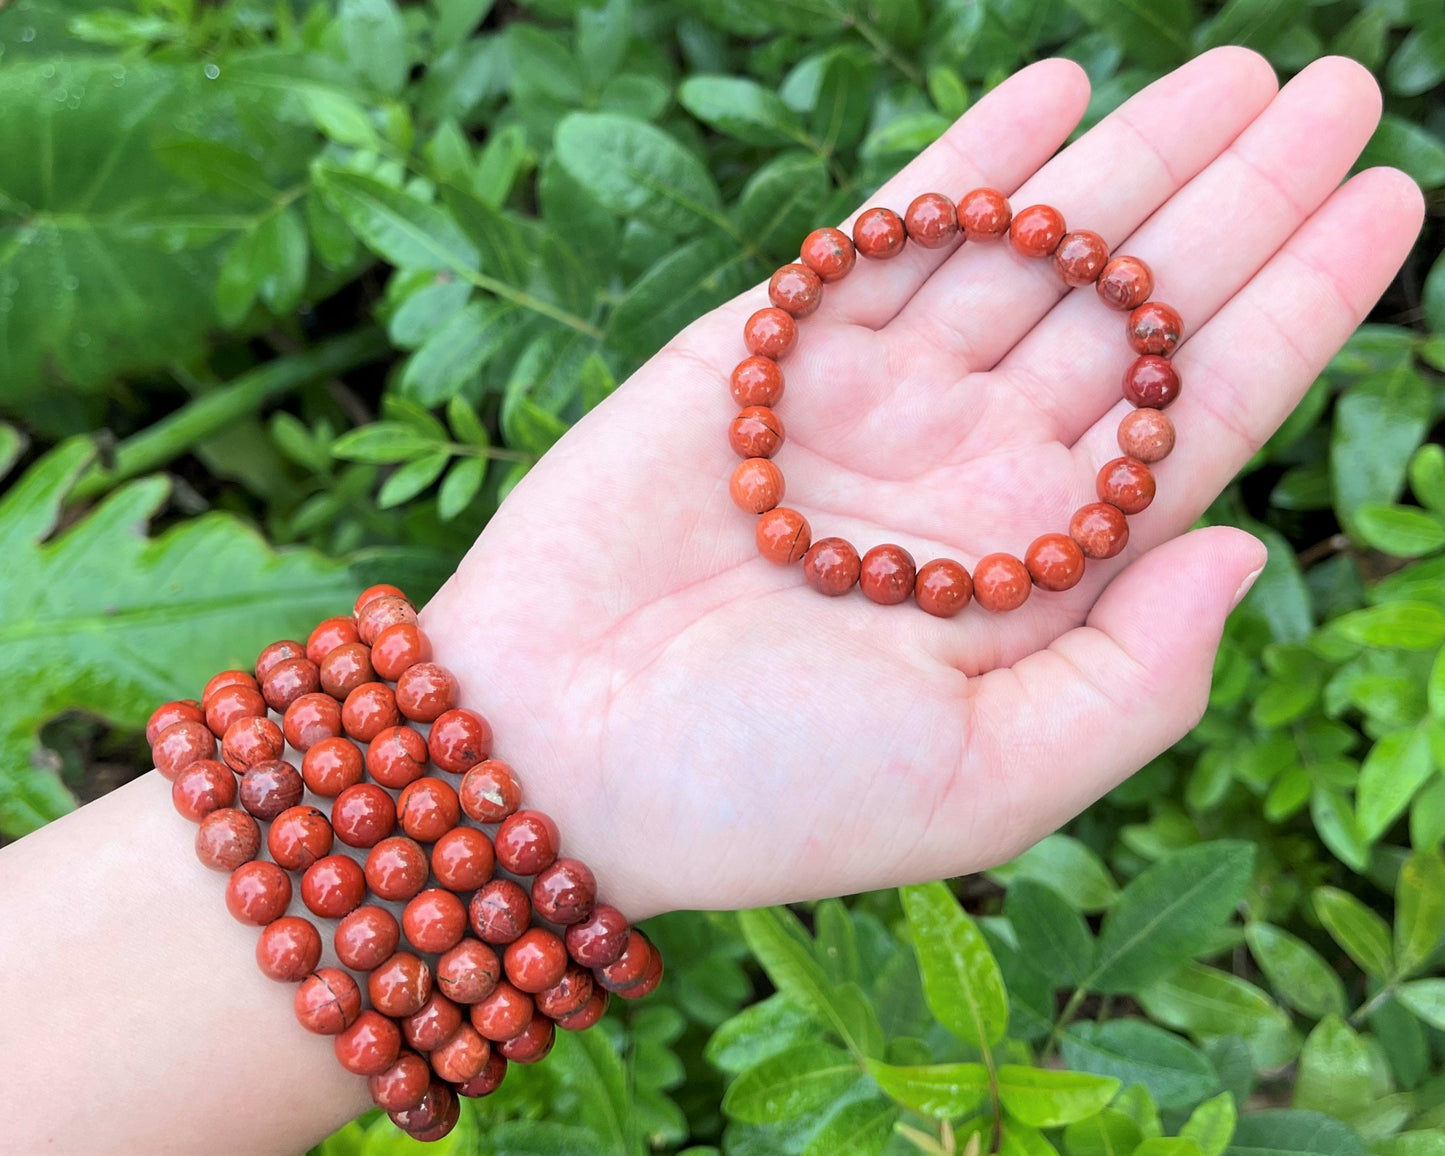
(494, 967)
(887, 573)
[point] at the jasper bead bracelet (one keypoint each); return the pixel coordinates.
(887, 573)
(478, 969)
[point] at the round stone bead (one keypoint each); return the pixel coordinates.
(396, 868)
(503, 1014)
(592, 1011)
(232, 703)
(829, 253)
(756, 485)
(1054, 562)
(170, 713)
(462, 1057)
(462, 859)
(427, 809)
(434, 1117)
(432, 1023)
(1036, 231)
(468, 972)
(369, 710)
(1125, 283)
(532, 1044)
(568, 996)
(886, 574)
(397, 756)
(1151, 382)
(258, 892)
(289, 680)
(397, 648)
(289, 949)
(345, 668)
(227, 838)
(330, 634)
(796, 289)
(1147, 435)
(488, 1080)
(629, 968)
(931, 220)
(1001, 582)
(249, 741)
(333, 886)
(649, 981)
(1155, 328)
(459, 740)
(757, 432)
(331, 766)
(202, 787)
(434, 920)
(831, 566)
(400, 985)
(878, 234)
(181, 744)
(489, 791)
(756, 381)
(311, 718)
(380, 590)
(1101, 530)
(1079, 258)
(402, 1085)
(366, 938)
(425, 691)
(1127, 483)
(600, 938)
(565, 892)
(327, 1001)
(219, 682)
(770, 332)
(369, 1046)
(984, 215)
(363, 815)
(782, 535)
(943, 587)
(382, 612)
(500, 911)
(298, 837)
(526, 842)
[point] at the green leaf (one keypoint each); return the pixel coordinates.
(961, 979)
(1291, 1132)
(944, 1091)
(1419, 63)
(1257, 24)
(1422, 1142)
(1106, 1133)
(373, 39)
(459, 487)
(594, 1075)
(1363, 934)
(1211, 1124)
(513, 1138)
(1407, 146)
(861, 1128)
(1149, 31)
(1378, 423)
(1019, 1139)
(740, 108)
(456, 20)
(340, 117)
(1335, 1070)
(837, 941)
(1049, 1098)
(1066, 865)
(845, 97)
(1169, 912)
(11, 443)
(411, 479)
(1426, 998)
(451, 357)
(1167, 1146)
(1208, 1002)
(383, 442)
(1407, 625)
(1296, 971)
(1175, 1073)
(678, 289)
(1050, 932)
(779, 204)
(1364, 37)
(396, 226)
(1402, 531)
(1337, 827)
(1419, 909)
(796, 1081)
(1396, 767)
(758, 1031)
(1427, 467)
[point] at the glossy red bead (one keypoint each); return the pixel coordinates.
(459, 739)
(592, 1011)
(289, 680)
(783, 535)
(330, 634)
(943, 587)
(202, 787)
(1127, 483)
(363, 815)
(756, 485)
(427, 809)
(831, 566)
(531, 1045)
(565, 892)
(650, 980)
(289, 949)
(1146, 434)
(269, 788)
(488, 1080)
(327, 1001)
(1101, 530)
(434, 1117)
(879, 234)
(167, 714)
(274, 655)
(489, 791)
(227, 838)
(1001, 582)
(931, 220)
(434, 920)
(1155, 328)
(249, 741)
(886, 574)
(1079, 258)
(366, 938)
(500, 911)
(984, 215)
(462, 1056)
(629, 968)
(1125, 283)
(770, 332)
(757, 381)
(379, 613)
(425, 691)
(396, 868)
(432, 1024)
(298, 837)
(829, 253)
(796, 289)
(369, 710)
(401, 1086)
(400, 985)
(1036, 231)
(600, 938)
(370, 1045)
(345, 668)
(258, 892)
(227, 678)
(503, 1014)
(397, 648)
(568, 996)
(380, 590)
(311, 718)
(756, 432)
(331, 766)
(231, 704)
(526, 842)
(468, 972)
(1054, 562)
(181, 744)
(1151, 382)
(397, 756)
(333, 886)
(462, 859)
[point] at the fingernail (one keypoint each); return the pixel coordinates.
(1249, 580)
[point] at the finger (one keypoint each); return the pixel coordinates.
(984, 298)
(1207, 241)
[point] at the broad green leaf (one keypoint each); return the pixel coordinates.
(1296, 971)
(837, 941)
(779, 204)
(1334, 1070)
(1209, 1002)
(1211, 1124)
(1427, 467)
(961, 979)
(1174, 1072)
(1377, 425)
(1049, 1098)
(543, 69)
(860, 1128)
(340, 116)
(1418, 65)
(740, 108)
(1257, 24)
(1106, 1133)
(1152, 33)
(1169, 912)
(845, 91)
(758, 1031)
(1364, 37)
(1363, 934)
(383, 442)
(452, 356)
(682, 286)
(373, 39)
(1419, 909)
(1019, 1139)
(456, 20)
(395, 225)
(1422, 1142)
(801, 1079)
(1402, 531)
(945, 1091)
(1407, 625)
(1396, 767)
(1426, 998)
(1427, 815)
(519, 1138)
(1050, 932)
(1292, 1132)
(411, 479)
(1337, 827)
(1066, 865)
(460, 486)
(1407, 146)
(1167, 1146)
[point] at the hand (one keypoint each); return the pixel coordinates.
(706, 730)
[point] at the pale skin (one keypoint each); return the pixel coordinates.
(709, 733)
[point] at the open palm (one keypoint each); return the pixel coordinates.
(709, 732)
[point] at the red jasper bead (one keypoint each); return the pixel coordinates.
(502, 1015)
(397, 648)
(756, 485)
(649, 981)
(568, 996)
(226, 839)
(345, 668)
(468, 972)
(331, 766)
(1001, 582)
(366, 938)
(427, 809)
(402, 1085)
(289, 949)
(770, 332)
(181, 744)
(1101, 530)
(400, 985)
(1079, 258)
(757, 381)
(258, 892)
(432, 1024)
(1146, 434)
(1155, 328)
(500, 911)
(382, 612)
(462, 1057)
(396, 868)
(434, 1117)
(462, 859)
(829, 253)
(327, 1001)
(231, 704)
(1126, 483)
(333, 886)
(289, 680)
(931, 220)
(886, 574)
(1151, 382)
(250, 741)
(397, 756)
(434, 920)
(268, 789)
(984, 215)
(878, 234)
(592, 1011)
(298, 837)
(943, 587)
(1054, 562)
(274, 655)
(425, 691)
(488, 1080)
(227, 678)
(168, 714)
(369, 710)
(600, 938)
(330, 634)
(783, 535)
(202, 787)
(459, 740)
(363, 815)
(831, 566)
(629, 968)
(1037, 230)
(1125, 283)
(757, 432)
(369, 1046)
(531, 1045)
(796, 289)
(489, 791)
(565, 892)
(526, 842)
(380, 590)
(311, 718)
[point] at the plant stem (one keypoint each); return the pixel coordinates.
(1066, 1017)
(208, 415)
(1372, 1005)
(879, 43)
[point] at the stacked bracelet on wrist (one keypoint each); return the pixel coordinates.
(446, 1013)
